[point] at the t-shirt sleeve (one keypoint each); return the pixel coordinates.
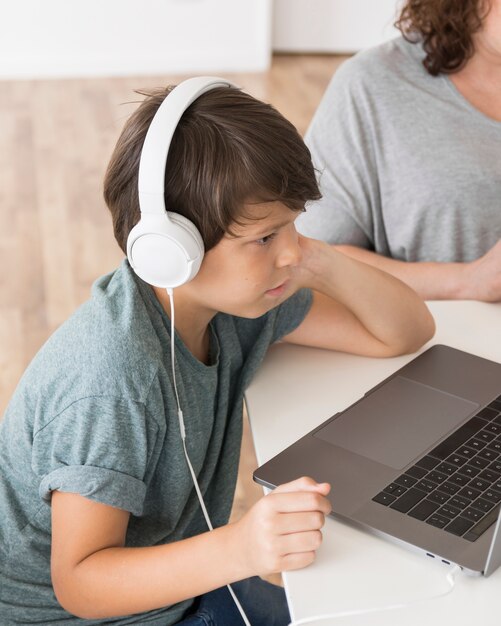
(98, 447)
(340, 138)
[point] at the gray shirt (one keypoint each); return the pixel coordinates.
(95, 414)
(408, 167)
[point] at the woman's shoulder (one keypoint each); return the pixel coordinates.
(382, 64)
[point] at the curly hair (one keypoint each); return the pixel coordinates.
(445, 28)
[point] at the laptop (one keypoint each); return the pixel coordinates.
(417, 459)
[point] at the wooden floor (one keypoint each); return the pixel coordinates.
(56, 137)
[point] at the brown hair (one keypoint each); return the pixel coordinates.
(228, 149)
(445, 28)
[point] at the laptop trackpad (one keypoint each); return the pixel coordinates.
(397, 422)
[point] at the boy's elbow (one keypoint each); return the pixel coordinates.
(430, 327)
(420, 333)
(426, 330)
(74, 607)
(66, 600)
(417, 332)
(71, 596)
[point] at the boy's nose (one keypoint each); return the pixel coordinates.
(290, 254)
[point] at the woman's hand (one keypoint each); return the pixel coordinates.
(482, 278)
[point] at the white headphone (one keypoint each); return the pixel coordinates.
(164, 248)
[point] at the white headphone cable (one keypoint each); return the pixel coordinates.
(450, 577)
(183, 437)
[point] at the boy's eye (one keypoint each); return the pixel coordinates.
(266, 239)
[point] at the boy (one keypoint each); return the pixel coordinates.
(92, 429)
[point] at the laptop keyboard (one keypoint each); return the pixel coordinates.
(456, 486)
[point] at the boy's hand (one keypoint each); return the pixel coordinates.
(316, 257)
(282, 530)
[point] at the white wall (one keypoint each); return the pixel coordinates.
(332, 25)
(70, 38)
(55, 38)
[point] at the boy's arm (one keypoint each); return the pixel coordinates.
(356, 307)
(94, 576)
(477, 280)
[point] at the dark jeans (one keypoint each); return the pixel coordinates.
(263, 603)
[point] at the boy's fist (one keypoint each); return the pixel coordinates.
(282, 530)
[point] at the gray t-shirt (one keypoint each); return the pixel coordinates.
(408, 167)
(95, 414)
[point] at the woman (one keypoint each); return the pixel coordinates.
(407, 140)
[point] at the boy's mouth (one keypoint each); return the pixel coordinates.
(277, 291)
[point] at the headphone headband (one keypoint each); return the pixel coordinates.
(165, 249)
(156, 145)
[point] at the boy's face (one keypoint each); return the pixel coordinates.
(250, 273)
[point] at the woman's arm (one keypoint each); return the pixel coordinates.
(356, 307)
(477, 280)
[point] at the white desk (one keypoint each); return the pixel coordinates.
(294, 391)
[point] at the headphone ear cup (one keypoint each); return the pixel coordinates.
(165, 250)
